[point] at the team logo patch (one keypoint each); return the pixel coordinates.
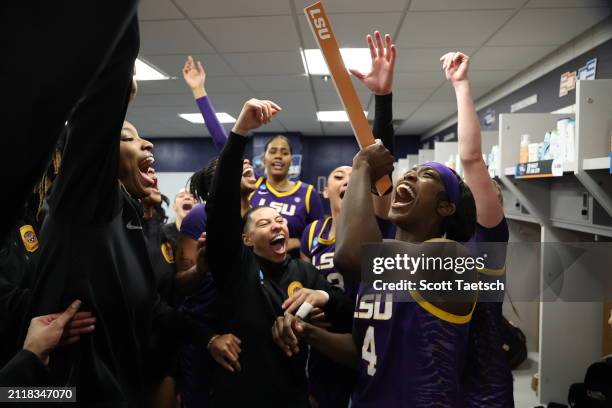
(166, 250)
(297, 199)
(28, 236)
(262, 186)
(294, 287)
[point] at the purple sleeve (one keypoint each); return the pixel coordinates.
(194, 223)
(304, 241)
(316, 208)
(499, 233)
(213, 125)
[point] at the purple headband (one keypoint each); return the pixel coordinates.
(449, 179)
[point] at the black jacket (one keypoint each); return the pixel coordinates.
(254, 290)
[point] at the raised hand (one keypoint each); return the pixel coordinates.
(380, 78)
(455, 66)
(195, 76)
(377, 158)
(254, 114)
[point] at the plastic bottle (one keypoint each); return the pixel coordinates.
(524, 149)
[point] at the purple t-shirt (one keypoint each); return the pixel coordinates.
(300, 205)
(194, 223)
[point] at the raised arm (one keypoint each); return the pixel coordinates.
(488, 207)
(195, 77)
(87, 187)
(224, 227)
(380, 82)
(357, 222)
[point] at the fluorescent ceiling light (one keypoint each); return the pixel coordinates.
(145, 71)
(357, 58)
(197, 117)
(334, 116)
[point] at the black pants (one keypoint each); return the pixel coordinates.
(53, 52)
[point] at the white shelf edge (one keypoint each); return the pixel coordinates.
(522, 217)
(597, 163)
(585, 228)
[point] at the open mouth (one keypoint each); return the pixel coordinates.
(342, 192)
(277, 165)
(404, 196)
(143, 166)
(187, 206)
(278, 244)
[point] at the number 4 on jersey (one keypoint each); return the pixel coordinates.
(368, 350)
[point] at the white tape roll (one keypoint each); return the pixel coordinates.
(304, 310)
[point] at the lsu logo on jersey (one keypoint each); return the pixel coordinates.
(28, 237)
(167, 252)
(282, 208)
(371, 307)
(294, 287)
(324, 261)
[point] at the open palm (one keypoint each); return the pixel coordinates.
(380, 78)
(193, 73)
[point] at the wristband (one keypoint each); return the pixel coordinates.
(210, 341)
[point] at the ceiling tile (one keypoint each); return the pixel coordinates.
(354, 6)
(490, 78)
(307, 124)
(207, 9)
(566, 3)
(445, 5)
(434, 112)
(266, 63)
(411, 94)
(157, 10)
(251, 34)
(172, 86)
(425, 79)
(171, 37)
(337, 129)
(526, 28)
(275, 83)
(402, 110)
(331, 100)
(424, 59)
(173, 64)
(185, 99)
(351, 29)
(509, 58)
(300, 104)
(450, 29)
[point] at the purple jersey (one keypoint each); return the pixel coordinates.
(300, 205)
(413, 353)
(488, 378)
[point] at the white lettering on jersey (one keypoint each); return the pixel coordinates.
(370, 307)
(282, 208)
(325, 261)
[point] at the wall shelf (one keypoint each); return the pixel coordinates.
(597, 163)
